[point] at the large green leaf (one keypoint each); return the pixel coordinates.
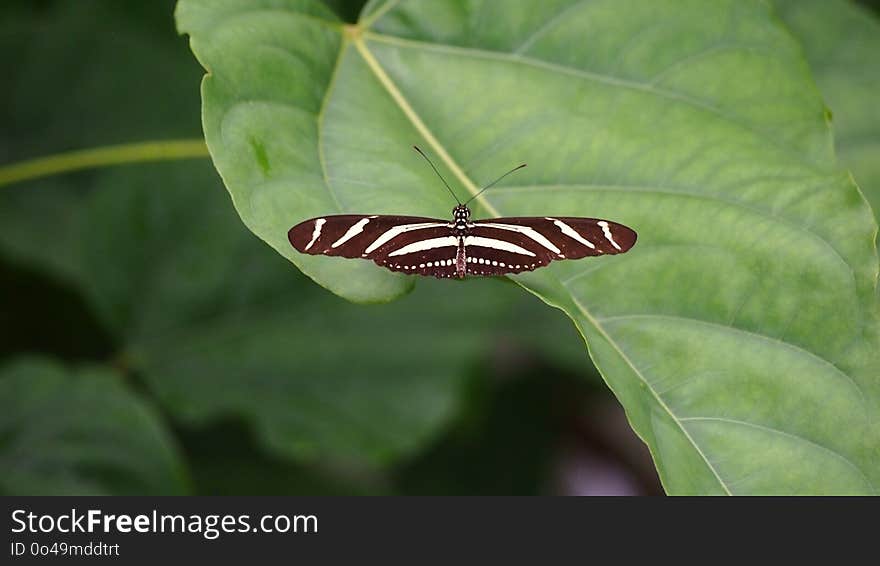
(80, 432)
(841, 40)
(739, 334)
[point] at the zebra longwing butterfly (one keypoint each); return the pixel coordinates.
(461, 247)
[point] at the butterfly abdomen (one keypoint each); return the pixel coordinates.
(460, 260)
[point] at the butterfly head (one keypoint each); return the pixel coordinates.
(461, 215)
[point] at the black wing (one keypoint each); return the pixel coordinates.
(511, 245)
(409, 244)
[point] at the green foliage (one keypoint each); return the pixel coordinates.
(740, 334)
(83, 432)
(223, 326)
(841, 41)
(217, 325)
(207, 322)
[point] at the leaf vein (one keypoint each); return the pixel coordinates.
(816, 358)
(667, 94)
(787, 434)
(320, 122)
(601, 329)
(375, 16)
(547, 27)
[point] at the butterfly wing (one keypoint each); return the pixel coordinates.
(511, 245)
(428, 246)
(409, 244)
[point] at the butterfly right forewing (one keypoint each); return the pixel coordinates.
(512, 245)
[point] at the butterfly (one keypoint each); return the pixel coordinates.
(460, 247)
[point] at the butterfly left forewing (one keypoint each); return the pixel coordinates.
(360, 235)
(408, 244)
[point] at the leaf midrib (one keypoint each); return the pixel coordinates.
(395, 93)
(343, 47)
(420, 126)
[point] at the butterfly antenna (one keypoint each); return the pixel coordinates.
(422, 153)
(517, 168)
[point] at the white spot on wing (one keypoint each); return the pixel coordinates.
(317, 233)
(607, 230)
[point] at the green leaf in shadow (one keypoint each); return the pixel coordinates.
(80, 432)
(123, 79)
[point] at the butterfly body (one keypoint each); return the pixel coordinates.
(456, 249)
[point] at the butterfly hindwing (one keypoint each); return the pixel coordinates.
(490, 250)
(434, 256)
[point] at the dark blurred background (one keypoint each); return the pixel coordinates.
(151, 344)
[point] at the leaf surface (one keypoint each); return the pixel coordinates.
(841, 40)
(739, 334)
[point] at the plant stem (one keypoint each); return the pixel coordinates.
(101, 157)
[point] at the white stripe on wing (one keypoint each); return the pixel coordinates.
(607, 230)
(398, 230)
(425, 245)
(572, 233)
(496, 245)
(317, 233)
(356, 229)
(525, 231)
